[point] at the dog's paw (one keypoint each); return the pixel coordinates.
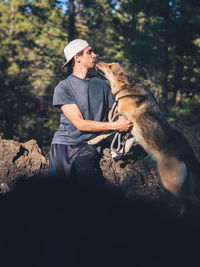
(100, 137)
(90, 142)
(94, 141)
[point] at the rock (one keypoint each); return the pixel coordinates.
(20, 160)
(136, 174)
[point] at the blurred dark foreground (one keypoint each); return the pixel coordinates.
(47, 222)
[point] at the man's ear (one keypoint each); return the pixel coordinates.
(76, 58)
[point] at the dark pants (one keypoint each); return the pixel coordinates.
(75, 162)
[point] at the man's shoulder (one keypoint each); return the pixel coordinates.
(65, 81)
(63, 84)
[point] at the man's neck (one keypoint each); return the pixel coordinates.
(80, 72)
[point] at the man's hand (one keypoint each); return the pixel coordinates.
(122, 124)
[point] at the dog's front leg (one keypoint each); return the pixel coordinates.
(99, 138)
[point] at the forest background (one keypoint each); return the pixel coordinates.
(158, 42)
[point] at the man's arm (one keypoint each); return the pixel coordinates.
(73, 113)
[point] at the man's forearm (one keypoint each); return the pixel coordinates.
(98, 126)
(73, 113)
(95, 126)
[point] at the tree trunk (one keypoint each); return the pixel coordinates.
(178, 83)
(178, 97)
(71, 29)
(12, 16)
(71, 20)
(166, 58)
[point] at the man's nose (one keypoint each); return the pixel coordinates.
(93, 54)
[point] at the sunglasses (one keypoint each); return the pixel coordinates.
(90, 51)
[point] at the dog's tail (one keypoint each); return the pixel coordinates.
(173, 173)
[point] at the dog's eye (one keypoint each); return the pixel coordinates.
(110, 67)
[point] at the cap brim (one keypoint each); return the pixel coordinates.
(64, 65)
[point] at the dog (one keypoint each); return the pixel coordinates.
(177, 165)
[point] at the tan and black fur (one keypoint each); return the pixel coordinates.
(178, 167)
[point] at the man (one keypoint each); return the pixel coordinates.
(84, 104)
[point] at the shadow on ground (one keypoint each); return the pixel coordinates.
(47, 222)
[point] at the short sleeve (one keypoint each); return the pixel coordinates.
(62, 95)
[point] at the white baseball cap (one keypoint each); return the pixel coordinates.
(72, 48)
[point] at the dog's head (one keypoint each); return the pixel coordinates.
(114, 72)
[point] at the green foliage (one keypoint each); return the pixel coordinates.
(188, 113)
(30, 64)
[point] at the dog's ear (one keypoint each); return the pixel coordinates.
(120, 73)
(123, 77)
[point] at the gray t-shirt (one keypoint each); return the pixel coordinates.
(93, 98)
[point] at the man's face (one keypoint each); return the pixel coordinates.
(88, 58)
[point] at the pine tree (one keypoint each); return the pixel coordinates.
(32, 39)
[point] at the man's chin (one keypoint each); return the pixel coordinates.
(92, 65)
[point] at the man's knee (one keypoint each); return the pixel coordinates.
(87, 166)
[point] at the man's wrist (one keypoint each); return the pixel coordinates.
(113, 126)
